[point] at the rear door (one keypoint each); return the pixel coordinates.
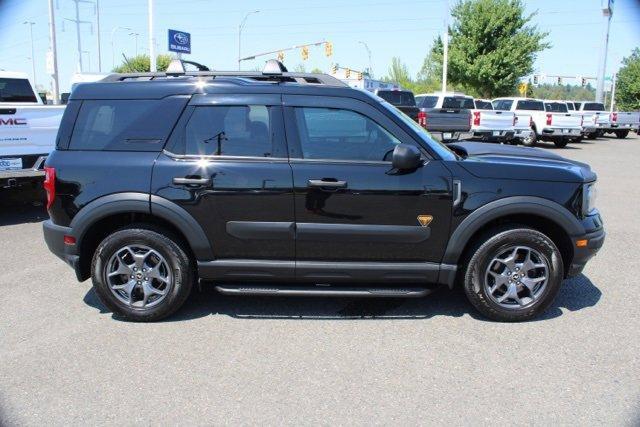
(349, 204)
(226, 165)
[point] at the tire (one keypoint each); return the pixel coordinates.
(477, 281)
(622, 134)
(561, 143)
(578, 139)
(532, 140)
(169, 268)
(592, 135)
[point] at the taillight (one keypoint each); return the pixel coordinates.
(476, 118)
(422, 119)
(614, 117)
(549, 118)
(49, 184)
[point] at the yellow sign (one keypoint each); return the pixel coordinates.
(522, 88)
(425, 220)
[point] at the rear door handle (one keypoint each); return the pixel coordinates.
(191, 181)
(324, 183)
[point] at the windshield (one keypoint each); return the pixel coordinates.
(428, 101)
(593, 106)
(440, 149)
(483, 105)
(397, 97)
(555, 107)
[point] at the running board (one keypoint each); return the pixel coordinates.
(324, 291)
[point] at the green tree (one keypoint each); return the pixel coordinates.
(492, 45)
(399, 73)
(567, 92)
(628, 83)
(142, 64)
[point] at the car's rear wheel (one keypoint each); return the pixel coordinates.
(514, 275)
(592, 135)
(622, 134)
(531, 140)
(141, 273)
(561, 143)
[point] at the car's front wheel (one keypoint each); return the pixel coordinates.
(622, 134)
(142, 273)
(561, 143)
(514, 275)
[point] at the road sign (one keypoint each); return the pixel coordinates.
(179, 41)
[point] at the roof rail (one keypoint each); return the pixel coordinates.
(273, 71)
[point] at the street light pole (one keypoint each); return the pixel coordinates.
(33, 58)
(113, 50)
(54, 54)
(607, 12)
(445, 56)
(240, 27)
(366, 46)
(135, 35)
(98, 35)
(152, 40)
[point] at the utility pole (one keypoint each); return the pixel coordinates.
(445, 43)
(613, 92)
(152, 40)
(54, 54)
(33, 58)
(240, 27)
(78, 22)
(607, 12)
(98, 34)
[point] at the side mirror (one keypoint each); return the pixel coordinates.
(406, 157)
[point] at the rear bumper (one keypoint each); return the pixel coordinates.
(15, 178)
(562, 132)
(446, 136)
(54, 238)
(494, 135)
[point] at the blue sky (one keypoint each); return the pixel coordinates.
(390, 28)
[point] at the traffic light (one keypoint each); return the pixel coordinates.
(281, 56)
(559, 81)
(334, 69)
(359, 75)
(305, 53)
(583, 82)
(328, 48)
(535, 79)
(347, 73)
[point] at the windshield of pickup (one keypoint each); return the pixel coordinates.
(555, 107)
(16, 90)
(593, 106)
(428, 101)
(528, 104)
(483, 105)
(457, 102)
(397, 97)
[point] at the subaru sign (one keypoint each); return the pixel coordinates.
(179, 41)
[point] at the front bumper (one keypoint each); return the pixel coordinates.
(54, 238)
(595, 240)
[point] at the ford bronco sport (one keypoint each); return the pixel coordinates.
(278, 183)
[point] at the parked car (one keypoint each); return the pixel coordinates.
(306, 188)
(598, 122)
(565, 118)
(546, 126)
(490, 125)
(28, 130)
(403, 100)
(446, 115)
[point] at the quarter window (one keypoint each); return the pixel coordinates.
(335, 134)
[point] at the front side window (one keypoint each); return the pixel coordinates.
(336, 134)
(238, 130)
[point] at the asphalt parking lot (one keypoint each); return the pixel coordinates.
(228, 360)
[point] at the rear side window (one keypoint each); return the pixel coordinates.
(503, 104)
(483, 105)
(426, 101)
(593, 106)
(570, 106)
(125, 125)
(397, 97)
(555, 107)
(526, 104)
(457, 102)
(237, 130)
(16, 90)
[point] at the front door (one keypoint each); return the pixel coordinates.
(226, 165)
(349, 203)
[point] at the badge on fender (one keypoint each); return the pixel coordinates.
(425, 220)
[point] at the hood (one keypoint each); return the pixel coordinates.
(499, 161)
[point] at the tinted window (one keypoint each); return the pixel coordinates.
(457, 102)
(503, 104)
(397, 97)
(570, 106)
(577, 105)
(530, 105)
(555, 107)
(125, 125)
(426, 101)
(593, 106)
(483, 105)
(16, 90)
(327, 133)
(239, 130)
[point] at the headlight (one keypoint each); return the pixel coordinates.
(588, 198)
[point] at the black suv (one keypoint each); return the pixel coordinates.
(277, 183)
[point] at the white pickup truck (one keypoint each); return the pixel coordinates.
(598, 121)
(488, 124)
(28, 130)
(559, 128)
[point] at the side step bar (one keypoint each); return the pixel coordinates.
(325, 291)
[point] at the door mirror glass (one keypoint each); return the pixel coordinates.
(406, 157)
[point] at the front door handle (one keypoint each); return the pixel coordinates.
(324, 183)
(191, 181)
